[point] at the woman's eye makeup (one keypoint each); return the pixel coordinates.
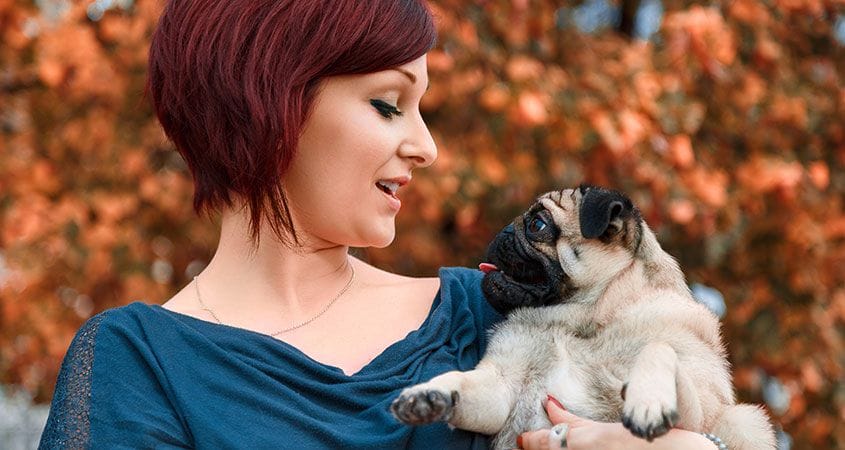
(385, 109)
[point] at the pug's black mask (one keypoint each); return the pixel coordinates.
(524, 276)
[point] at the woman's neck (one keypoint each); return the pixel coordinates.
(272, 277)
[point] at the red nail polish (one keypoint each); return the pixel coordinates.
(519, 441)
(556, 402)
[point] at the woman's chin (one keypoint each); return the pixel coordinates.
(373, 236)
(381, 238)
(384, 242)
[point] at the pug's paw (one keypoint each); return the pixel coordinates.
(649, 413)
(420, 406)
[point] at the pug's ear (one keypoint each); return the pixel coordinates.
(603, 212)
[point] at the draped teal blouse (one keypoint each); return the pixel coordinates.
(141, 376)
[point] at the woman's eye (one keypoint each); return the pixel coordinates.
(385, 109)
(537, 225)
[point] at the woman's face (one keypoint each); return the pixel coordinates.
(360, 143)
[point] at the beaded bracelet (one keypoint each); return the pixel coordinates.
(716, 440)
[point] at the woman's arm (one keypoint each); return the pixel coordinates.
(586, 434)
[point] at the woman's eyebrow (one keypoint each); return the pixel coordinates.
(410, 76)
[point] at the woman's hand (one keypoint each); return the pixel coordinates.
(587, 434)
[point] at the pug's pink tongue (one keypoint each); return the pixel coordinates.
(487, 267)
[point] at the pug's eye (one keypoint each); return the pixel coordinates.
(537, 224)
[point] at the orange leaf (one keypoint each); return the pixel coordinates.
(532, 110)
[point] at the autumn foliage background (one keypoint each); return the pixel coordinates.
(725, 126)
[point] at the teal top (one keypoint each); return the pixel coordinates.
(141, 376)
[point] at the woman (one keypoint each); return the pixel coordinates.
(299, 122)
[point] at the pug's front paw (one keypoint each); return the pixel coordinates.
(417, 406)
(649, 414)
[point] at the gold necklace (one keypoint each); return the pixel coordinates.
(299, 325)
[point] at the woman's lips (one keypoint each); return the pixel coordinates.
(392, 200)
(388, 187)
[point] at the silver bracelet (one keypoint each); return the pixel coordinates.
(716, 440)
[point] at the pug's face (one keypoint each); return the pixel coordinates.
(569, 242)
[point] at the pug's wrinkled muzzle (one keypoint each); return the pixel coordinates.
(516, 274)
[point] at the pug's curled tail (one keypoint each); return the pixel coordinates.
(745, 427)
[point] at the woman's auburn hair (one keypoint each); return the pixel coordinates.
(232, 83)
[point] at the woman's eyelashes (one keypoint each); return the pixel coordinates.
(385, 109)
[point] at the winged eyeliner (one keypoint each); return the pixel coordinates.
(385, 109)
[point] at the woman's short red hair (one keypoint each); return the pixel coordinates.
(232, 83)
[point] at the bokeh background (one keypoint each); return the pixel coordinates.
(724, 121)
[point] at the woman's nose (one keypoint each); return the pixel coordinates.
(420, 145)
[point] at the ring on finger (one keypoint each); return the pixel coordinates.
(558, 434)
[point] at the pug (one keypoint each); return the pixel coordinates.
(598, 316)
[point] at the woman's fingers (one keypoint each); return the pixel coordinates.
(580, 432)
(541, 439)
(537, 440)
(558, 414)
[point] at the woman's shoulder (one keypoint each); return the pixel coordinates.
(461, 283)
(462, 300)
(450, 281)
(111, 334)
(117, 317)
(462, 275)
(455, 288)
(131, 323)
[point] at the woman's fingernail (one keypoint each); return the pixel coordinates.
(519, 441)
(556, 402)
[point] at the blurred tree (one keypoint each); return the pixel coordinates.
(725, 126)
